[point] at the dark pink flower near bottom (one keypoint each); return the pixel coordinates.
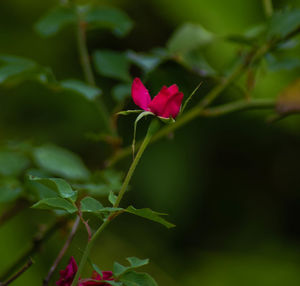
(67, 276)
(98, 279)
(165, 104)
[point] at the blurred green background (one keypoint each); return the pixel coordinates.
(230, 184)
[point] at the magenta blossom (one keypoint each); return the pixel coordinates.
(67, 276)
(165, 104)
(97, 279)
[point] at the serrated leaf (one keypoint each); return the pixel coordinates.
(60, 186)
(10, 189)
(119, 269)
(55, 204)
(149, 214)
(283, 22)
(12, 163)
(111, 18)
(89, 92)
(55, 20)
(60, 161)
(112, 64)
(112, 197)
(121, 91)
(89, 204)
(133, 278)
(189, 37)
(136, 262)
(289, 99)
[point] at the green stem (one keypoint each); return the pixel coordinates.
(87, 68)
(198, 112)
(90, 243)
(268, 7)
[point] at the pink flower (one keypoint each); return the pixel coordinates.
(97, 279)
(67, 275)
(165, 104)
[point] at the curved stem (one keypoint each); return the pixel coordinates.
(128, 177)
(62, 252)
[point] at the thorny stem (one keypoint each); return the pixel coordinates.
(63, 251)
(37, 241)
(18, 274)
(91, 242)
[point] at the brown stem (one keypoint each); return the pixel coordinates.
(19, 273)
(62, 251)
(37, 241)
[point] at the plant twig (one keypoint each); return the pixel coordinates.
(18, 274)
(87, 68)
(106, 222)
(62, 251)
(37, 241)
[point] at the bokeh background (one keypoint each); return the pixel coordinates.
(230, 184)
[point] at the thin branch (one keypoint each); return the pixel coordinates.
(36, 244)
(62, 251)
(252, 57)
(87, 69)
(19, 273)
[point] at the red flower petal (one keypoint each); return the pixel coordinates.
(67, 275)
(140, 94)
(167, 102)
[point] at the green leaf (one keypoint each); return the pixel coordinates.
(60, 186)
(283, 22)
(10, 189)
(112, 64)
(55, 20)
(55, 204)
(61, 162)
(94, 189)
(12, 163)
(112, 197)
(189, 37)
(89, 92)
(15, 67)
(89, 204)
(149, 214)
(121, 91)
(146, 62)
(97, 269)
(136, 262)
(111, 18)
(133, 278)
(113, 283)
(119, 269)
(277, 64)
